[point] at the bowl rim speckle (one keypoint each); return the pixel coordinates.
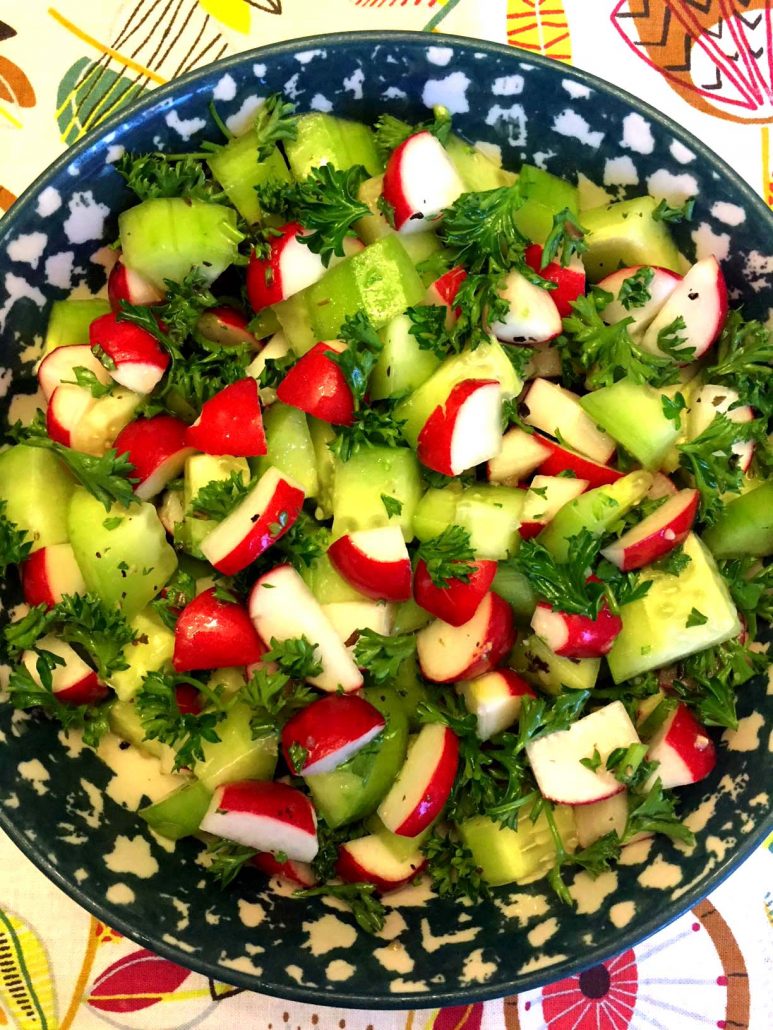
(114, 915)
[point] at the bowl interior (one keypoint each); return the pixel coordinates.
(64, 808)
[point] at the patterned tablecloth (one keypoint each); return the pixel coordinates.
(66, 66)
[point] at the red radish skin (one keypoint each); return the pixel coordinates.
(445, 289)
(214, 634)
(49, 574)
(448, 653)
(124, 284)
(317, 385)
(330, 731)
(576, 636)
(157, 449)
(68, 405)
(188, 699)
(375, 562)
(457, 602)
(495, 700)
(420, 182)
(701, 300)
(226, 327)
(423, 785)
(561, 459)
(59, 366)
(299, 873)
(521, 454)
(73, 682)
(231, 422)
(569, 279)
(369, 860)
(684, 750)
(266, 815)
(464, 431)
(532, 316)
(140, 361)
(263, 517)
(554, 410)
(290, 267)
(666, 528)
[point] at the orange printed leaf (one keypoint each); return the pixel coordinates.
(539, 26)
(14, 84)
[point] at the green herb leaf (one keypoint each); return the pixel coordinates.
(635, 289)
(372, 427)
(480, 231)
(363, 349)
(710, 460)
(274, 122)
(744, 361)
(448, 556)
(672, 342)
(367, 910)
(157, 707)
(696, 618)
(565, 586)
(392, 506)
(86, 379)
(382, 656)
(673, 563)
(654, 812)
(218, 498)
(672, 408)
(664, 212)
(165, 175)
(14, 547)
(565, 240)
(225, 860)
(453, 869)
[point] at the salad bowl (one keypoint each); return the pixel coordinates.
(75, 818)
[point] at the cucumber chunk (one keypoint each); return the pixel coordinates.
(36, 488)
(409, 617)
(655, 630)
(201, 469)
(126, 724)
(632, 414)
(744, 526)
(517, 856)
(322, 434)
(544, 196)
(374, 226)
(125, 566)
(69, 321)
(180, 813)
(411, 689)
(238, 170)
(401, 847)
(436, 511)
(476, 170)
(354, 789)
(402, 365)
(360, 482)
(167, 237)
(490, 514)
(326, 583)
(380, 281)
(151, 651)
(552, 673)
(516, 590)
(289, 446)
(236, 756)
(625, 233)
(324, 139)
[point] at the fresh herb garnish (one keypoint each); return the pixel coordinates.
(382, 656)
(673, 408)
(392, 506)
(367, 910)
(665, 212)
(150, 176)
(14, 544)
(635, 289)
(225, 860)
(710, 460)
(157, 707)
(744, 361)
(218, 498)
(448, 556)
(275, 697)
(390, 132)
(453, 869)
(274, 122)
(372, 427)
(565, 240)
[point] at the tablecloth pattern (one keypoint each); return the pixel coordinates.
(67, 65)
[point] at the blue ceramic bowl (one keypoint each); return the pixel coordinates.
(437, 952)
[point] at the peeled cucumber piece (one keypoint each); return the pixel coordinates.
(655, 630)
(516, 856)
(360, 482)
(167, 237)
(490, 514)
(545, 195)
(402, 365)
(477, 170)
(322, 434)
(326, 583)
(180, 813)
(410, 687)
(624, 233)
(552, 673)
(125, 723)
(487, 361)
(380, 281)
(289, 446)
(436, 511)
(236, 756)
(238, 170)
(152, 650)
(201, 469)
(324, 139)
(596, 510)
(354, 789)
(125, 566)
(744, 526)
(69, 321)
(632, 414)
(374, 226)
(516, 590)
(36, 488)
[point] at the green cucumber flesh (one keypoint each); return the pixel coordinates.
(360, 482)
(632, 414)
(69, 321)
(491, 515)
(744, 526)
(238, 170)
(236, 756)
(289, 446)
(545, 195)
(152, 650)
(516, 856)
(37, 489)
(125, 723)
(516, 590)
(201, 469)
(552, 673)
(624, 233)
(180, 813)
(322, 435)
(402, 365)
(324, 139)
(477, 170)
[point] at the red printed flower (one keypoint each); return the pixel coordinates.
(602, 997)
(135, 982)
(459, 1017)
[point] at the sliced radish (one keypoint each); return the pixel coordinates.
(660, 288)
(420, 181)
(231, 422)
(684, 750)
(701, 300)
(546, 496)
(73, 682)
(555, 759)
(66, 410)
(317, 385)
(277, 347)
(138, 360)
(290, 267)
(464, 431)
(520, 454)
(569, 279)
(157, 449)
(445, 289)
(666, 528)
(265, 815)
(576, 636)
(557, 411)
(257, 522)
(369, 860)
(58, 366)
(226, 327)
(424, 783)
(124, 284)
(457, 602)
(715, 400)
(495, 700)
(327, 732)
(447, 653)
(532, 316)
(51, 573)
(561, 459)
(214, 634)
(661, 487)
(300, 873)
(282, 606)
(375, 561)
